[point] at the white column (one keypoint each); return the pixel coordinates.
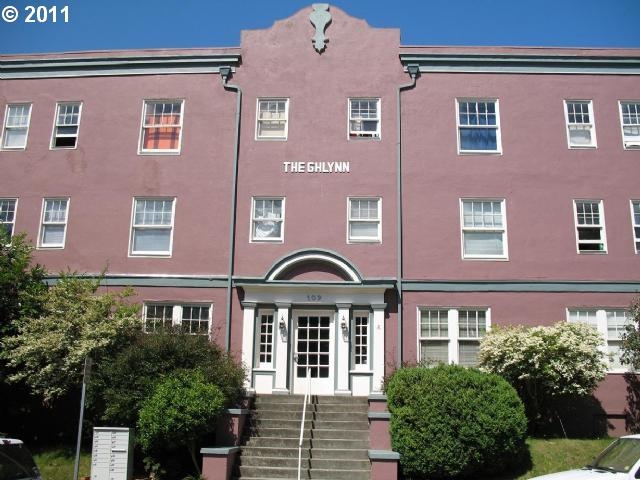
(343, 336)
(248, 331)
(282, 343)
(377, 363)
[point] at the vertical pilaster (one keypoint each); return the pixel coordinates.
(283, 328)
(343, 336)
(248, 337)
(377, 363)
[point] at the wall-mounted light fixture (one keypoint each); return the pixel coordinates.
(343, 324)
(282, 324)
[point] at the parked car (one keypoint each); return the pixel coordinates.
(620, 460)
(16, 462)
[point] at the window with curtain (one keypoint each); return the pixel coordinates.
(8, 214)
(590, 231)
(484, 229)
(451, 335)
(472, 326)
(364, 218)
(434, 336)
(478, 126)
(272, 118)
(16, 126)
(67, 123)
(635, 222)
(581, 132)
(364, 118)
(152, 226)
(161, 126)
(630, 117)
(267, 220)
(54, 222)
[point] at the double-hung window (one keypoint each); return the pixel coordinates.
(478, 126)
(635, 221)
(484, 229)
(267, 220)
(53, 228)
(8, 215)
(630, 121)
(590, 231)
(16, 126)
(364, 218)
(364, 118)
(194, 319)
(272, 119)
(161, 126)
(66, 125)
(265, 339)
(152, 226)
(610, 323)
(451, 335)
(581, 129)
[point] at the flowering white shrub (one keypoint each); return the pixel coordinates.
(563, 359)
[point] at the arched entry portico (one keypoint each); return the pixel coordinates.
(313, 314)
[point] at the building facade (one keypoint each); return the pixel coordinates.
(327, 203)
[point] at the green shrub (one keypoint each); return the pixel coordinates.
(450, 421)
(123, 382)
(181, 410)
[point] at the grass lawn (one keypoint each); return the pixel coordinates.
(58, 463)
(554, 455)
(547, 456)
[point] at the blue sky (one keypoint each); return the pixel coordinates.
(127, 24)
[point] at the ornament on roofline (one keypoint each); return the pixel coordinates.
(320, 18)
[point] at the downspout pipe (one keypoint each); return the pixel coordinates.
(414, 72)
(225, 74)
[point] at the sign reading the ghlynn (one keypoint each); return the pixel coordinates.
(315, 167)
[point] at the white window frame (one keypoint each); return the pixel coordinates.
(177, 315)
(496, 127)
(350, 220)
(142, 226)
(599, 318)
(600, 225)
(453, 338)
(630, 141)
(55, 133)
(8, 211)
(354, 120)
(260, 119)
(360, 340)
(8, 128)
(580, 125)
(483, 229)
(46, 223)
(270, 356)
(635, 224)
(144, 126)
(255, 220)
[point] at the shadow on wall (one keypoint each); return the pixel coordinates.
(632, 412)
(576, 417)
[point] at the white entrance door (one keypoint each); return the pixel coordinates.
(314, 352)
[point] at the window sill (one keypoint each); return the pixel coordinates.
(487, 259)
(583, 147)
(479, 152)
(149, 255)
(159, 152)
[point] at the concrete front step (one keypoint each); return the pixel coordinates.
(323, 424)
(318, 453)
(296, 409)
(320, 433)
(265, 414)
(284, 472)
(292, 442)
(307, 463)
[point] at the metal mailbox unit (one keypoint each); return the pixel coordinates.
(112, 454)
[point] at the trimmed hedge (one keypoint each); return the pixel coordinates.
(450, 421)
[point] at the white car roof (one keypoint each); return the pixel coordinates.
(10, 441)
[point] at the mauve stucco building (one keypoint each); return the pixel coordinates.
(323, 199)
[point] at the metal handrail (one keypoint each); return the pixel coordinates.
(307, 396)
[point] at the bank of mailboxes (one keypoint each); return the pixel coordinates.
(112, 454)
